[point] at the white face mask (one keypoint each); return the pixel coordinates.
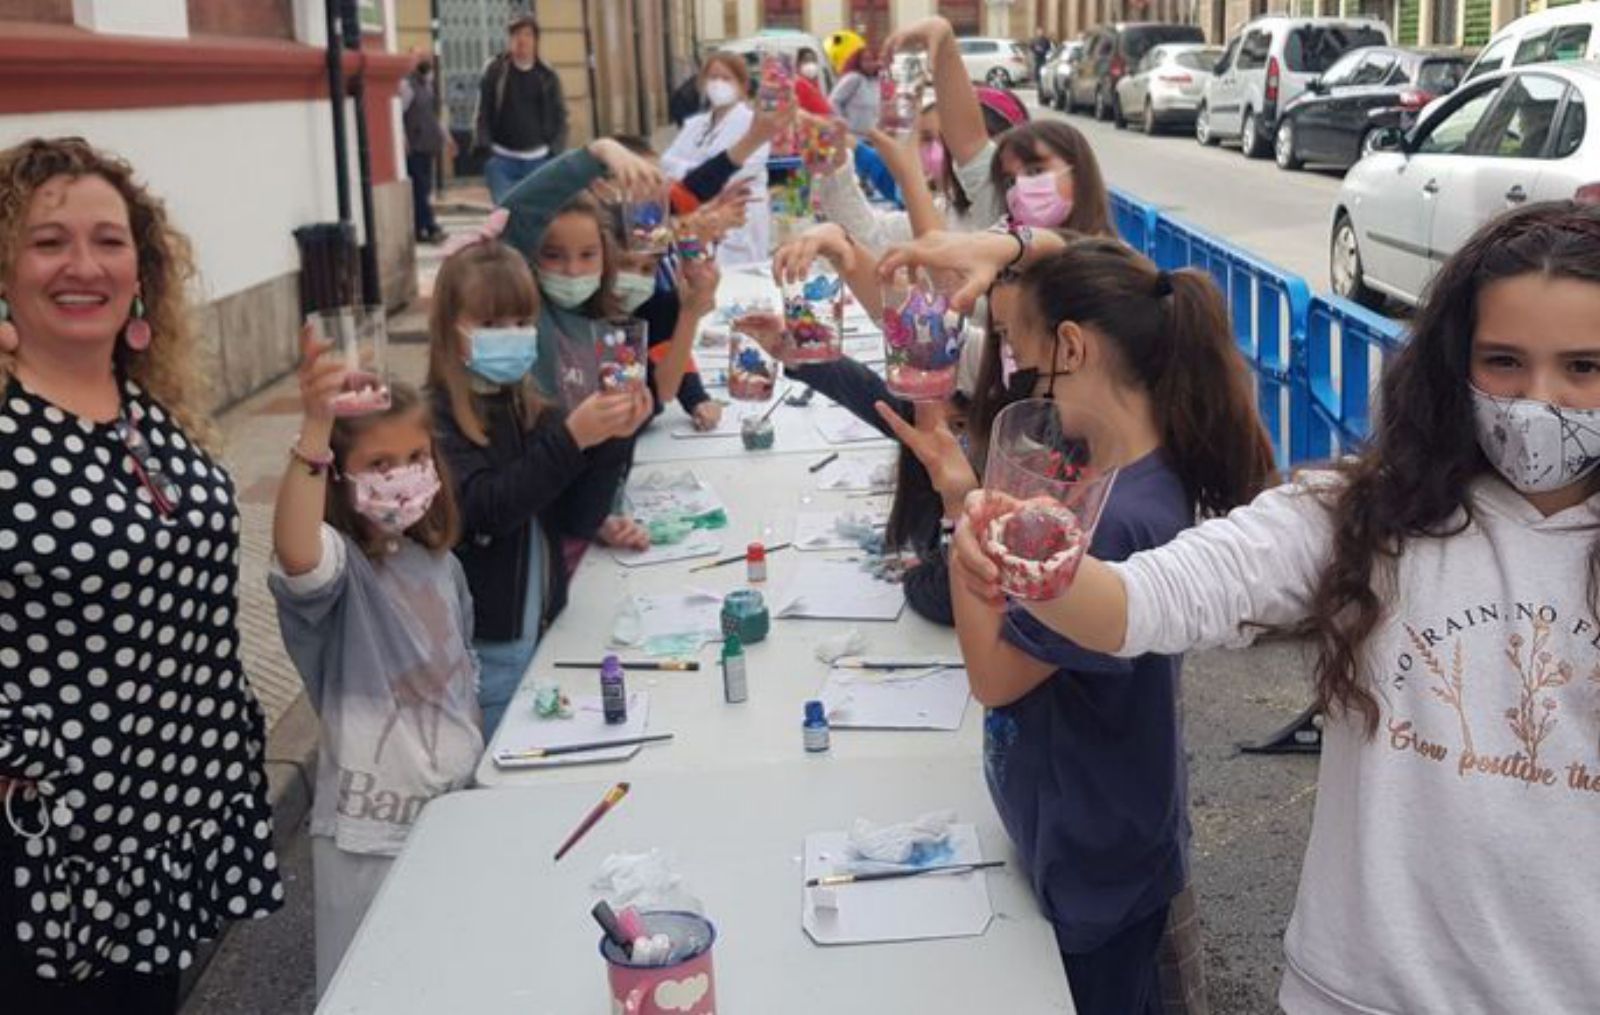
(632, 288)
(810, 70)
(1536, 446)
(721, 92)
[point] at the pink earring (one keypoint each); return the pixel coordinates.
(137, 332)
(9, 340)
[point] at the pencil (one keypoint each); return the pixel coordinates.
(735, 559)
(655, 664)
(613, 796)
(823, 464)
(590, 745)
(912, 872)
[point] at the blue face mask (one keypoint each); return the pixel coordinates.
(502, 355)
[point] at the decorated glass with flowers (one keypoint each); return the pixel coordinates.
(646, 225)
(791, 207)
(752, 374)
(775, 94)
(360, 335)
(621, 351)
(922, 335)
(1049, 471)
(813, 318)
(823, 144)
(900, 92)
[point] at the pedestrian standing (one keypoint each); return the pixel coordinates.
(1040, 47)
(522, 114)
(136, 814)
(855, 98)
(426, 140)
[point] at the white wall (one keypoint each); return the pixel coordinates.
(165, 18)
(238, 179)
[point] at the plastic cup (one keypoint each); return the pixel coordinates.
(775, 93)
(646, 223)
(752, 374)
(621, 351)
(922, 336)
(360, 335)
(1050, 469)
(813, 319)
(685, 985)
(900, 93)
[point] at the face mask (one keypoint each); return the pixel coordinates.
(1036, 201)
(568, 291)
(810, 70)
(1021, 383)
(1536, 446)
(395, 500)
(633, 288)
(721, 92)
(502, 355)
(933, 159)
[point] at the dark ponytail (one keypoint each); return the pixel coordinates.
(1172, 340)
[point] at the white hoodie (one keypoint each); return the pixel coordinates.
(1451, 867)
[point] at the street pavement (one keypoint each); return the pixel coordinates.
(1250, 814)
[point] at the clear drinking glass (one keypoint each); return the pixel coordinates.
(621, 351)
(813, 319)
(360, 335)
(774, 94)
(752, 374)
(922, 335)
(900, 92)
(645, 223)
(1049, 471)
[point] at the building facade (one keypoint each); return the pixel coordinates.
(222, 108)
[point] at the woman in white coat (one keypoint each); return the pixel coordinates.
(725, 81)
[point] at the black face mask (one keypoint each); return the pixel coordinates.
(1021, 383)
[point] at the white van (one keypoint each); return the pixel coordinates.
(1266, 66)
(1555, 35)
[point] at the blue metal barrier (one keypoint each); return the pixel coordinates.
(1314, 357)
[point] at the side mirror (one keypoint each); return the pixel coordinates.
(1315, 86)
(1389, 139)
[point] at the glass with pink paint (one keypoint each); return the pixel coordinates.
(922, 335)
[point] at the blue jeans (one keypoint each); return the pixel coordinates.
(502, 172)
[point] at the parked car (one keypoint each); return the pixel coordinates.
(1266, 67)
(1556, 34)
(1339, 116)
(1110, 52)
(1167, 83)
(998, 62)
(1052, 76)
(1499, 141)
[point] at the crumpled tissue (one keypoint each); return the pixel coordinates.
(832, 649)
(919, 842)
(645, 881)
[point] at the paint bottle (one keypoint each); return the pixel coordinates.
(755, 559)
(613, 691)
(815, 728)
(735, 686)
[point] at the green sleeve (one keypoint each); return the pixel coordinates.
(535, 201)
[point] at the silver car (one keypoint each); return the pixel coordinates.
(1053, 75)
(1167, 84)
(1497, 142)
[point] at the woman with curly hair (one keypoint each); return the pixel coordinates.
(136, 819)
(1448, 574)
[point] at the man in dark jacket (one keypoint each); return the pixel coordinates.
(426, 139)
(522, 115)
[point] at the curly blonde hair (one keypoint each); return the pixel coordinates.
(170, 369)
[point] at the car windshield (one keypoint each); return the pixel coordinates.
(1199, 59)
(1440, 76)
(1137, 42)
(1312, 49)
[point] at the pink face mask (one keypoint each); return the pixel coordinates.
(933, 159)
(1036, 201)
(395, 500)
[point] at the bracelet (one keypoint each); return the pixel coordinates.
(1023, 235)
(316, 465)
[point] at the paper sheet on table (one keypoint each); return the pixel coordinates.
(587, 725)
(674, 624)
(903, 909)
(660, 493)
(838, 425)
(733, 416)
(838, 590)
(819, 530)
(933, 699)
(866, 348)
(698, 544)
(857, 473)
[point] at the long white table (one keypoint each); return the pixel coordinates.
(476, 917)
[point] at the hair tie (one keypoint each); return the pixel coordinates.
(490, 231)
(1163, 284)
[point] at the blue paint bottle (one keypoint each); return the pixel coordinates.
(815, 728)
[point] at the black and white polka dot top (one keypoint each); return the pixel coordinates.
(142, 824)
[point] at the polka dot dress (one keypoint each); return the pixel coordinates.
(122, 698)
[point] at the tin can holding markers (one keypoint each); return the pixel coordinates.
(681, 984)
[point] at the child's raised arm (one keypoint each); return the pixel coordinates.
(960, 115)
(297, 520)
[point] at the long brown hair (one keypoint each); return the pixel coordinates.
(1091, 203)
(1412, 479)
(487, 281)
(603, 303)
(439, 529)
(172, 368)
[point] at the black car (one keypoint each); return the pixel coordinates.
(1109, 52)
(1341, 113)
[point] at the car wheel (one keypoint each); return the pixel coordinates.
(1369, 142)
(998, 78)
(1202, 127)
(1102, 109)
(1283, 147)
(1249, 139)
(1148, 121)
(1116, 112)
(1344, 266)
